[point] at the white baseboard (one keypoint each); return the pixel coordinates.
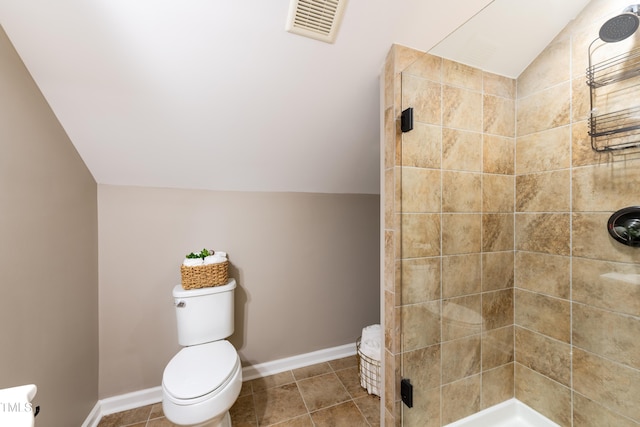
(275, 367)
(136, 399)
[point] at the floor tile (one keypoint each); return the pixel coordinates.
(323, 391)
(321, 395)
(344, 415)
(271, 381)
(312, 371)
(243, 413)
(278, 404)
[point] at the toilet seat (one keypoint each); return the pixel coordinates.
(200, 371)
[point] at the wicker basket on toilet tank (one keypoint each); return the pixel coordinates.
(204, 276)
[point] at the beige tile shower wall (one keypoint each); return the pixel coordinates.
(449, 227)
(577, 298)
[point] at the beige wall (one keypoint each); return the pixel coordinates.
(307, 267)
(48, 255)
(575, 311)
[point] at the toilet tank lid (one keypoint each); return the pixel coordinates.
(180, 292)
(199, 369)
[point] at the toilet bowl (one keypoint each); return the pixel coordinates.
(202, 382)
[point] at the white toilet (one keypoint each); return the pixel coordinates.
(203, 381)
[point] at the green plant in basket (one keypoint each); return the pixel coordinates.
(202, 254)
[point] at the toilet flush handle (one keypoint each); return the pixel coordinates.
(181, 304)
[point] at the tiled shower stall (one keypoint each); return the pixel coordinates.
(500, 279)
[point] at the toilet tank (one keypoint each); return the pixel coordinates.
(204, 315)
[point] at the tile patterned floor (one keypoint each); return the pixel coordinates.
(322, 395)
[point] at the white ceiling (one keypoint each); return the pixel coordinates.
(215, 94)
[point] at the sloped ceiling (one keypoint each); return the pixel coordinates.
(215, 94)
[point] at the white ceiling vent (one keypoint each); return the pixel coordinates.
(318, 19)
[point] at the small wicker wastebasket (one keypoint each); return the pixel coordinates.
(368, 371)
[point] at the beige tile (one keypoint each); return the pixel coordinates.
(461, 192)
(550, 68)
(610, 335)
(156, 409)
(498, 154)
(497, 232)
(591, 239)
(543, 314)
(457, 74)
(425, 411)
(542, 273)
(461, 275)
(497, 385)
(422, 146)
(610, 384)
(311, 371)
(424, 97)
(461, 358)
(544, 110)
(391, 371)
(544, 395)
(343, 363)
(389, 261)
(159, 422)
(495, 84)
(350, 379)
(420, 235)
(282, 378)
(497, 270)
(322, 391)
(544, 355)
(421, 325)
(580, 100)
(370, 408)
(581, 152)
(420, 190)
(587, 413)
(461, 108)
(543, 232)
(461, 150)
(461, 317)
(124, 418)
(279, 404)
(460, 399)
(301, 421)
(498, 116)
(420, 280)
(497, 309)
(543, 192)
(422, 366)
(605, 187)
(243, 413)
(344, 414)
(544, 151)
(421, 64)
(460, 233)
(389, 150)
(497, 348)
(497, 193)
(607, 285)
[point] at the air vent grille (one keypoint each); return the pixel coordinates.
(318, 19)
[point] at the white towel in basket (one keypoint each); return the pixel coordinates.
(371, 348)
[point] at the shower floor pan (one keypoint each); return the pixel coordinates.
(511, 413)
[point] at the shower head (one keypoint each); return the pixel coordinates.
(622, 26)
